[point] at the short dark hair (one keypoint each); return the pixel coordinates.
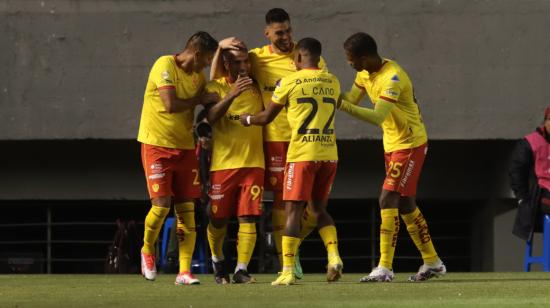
(361, 44)
(276, 15)
(311, 45)
(203, 42)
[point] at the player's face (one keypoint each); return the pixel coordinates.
(280, 35)
(202, 60)
(358, 63)
(238, 64)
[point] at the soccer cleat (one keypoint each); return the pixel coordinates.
(285, 278)
(148, 267)
(186, 278)
(220, 274)
(334, 269)
(298, 272)
(379, 274)
(242, 276)
(426, 272)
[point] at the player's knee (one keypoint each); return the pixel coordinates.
(218, 223)
(407, 205)
(162, 201)
(389, 200)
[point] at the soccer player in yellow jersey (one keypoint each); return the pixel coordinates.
(310, 97)
(270, 63)
(237, 170)
(405, 145)
(175, 86)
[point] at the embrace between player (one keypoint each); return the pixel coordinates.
(301, 142)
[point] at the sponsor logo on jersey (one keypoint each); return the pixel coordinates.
(395, 78)
(165, 75)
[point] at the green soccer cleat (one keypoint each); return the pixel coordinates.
(298, 272)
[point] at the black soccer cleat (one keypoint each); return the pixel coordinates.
(220, 274)
(242, 276)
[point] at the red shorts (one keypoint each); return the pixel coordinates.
(403, 169)
(171, 172)
(308, 180)
(236, 192)
(275, 160)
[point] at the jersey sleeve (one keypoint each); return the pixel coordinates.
(280, 95)
(163, 74)
(391, 89)
(359, 81)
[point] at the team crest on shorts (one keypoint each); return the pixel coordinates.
(214, 208)
(273, 180)
(156, 187)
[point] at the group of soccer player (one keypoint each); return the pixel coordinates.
(272, 115)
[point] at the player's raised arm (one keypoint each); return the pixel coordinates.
(217, 69)
(374, 116)
(263, 118)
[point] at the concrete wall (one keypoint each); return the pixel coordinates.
(77, 69)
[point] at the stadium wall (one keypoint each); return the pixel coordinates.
(77, 69)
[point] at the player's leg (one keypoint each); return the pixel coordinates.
(326, 171)
(275, 157)
(296, 191)
(186, 187)
(158, 170)
(419, 233)
(248, 210)
(389, 224)
(222, 195)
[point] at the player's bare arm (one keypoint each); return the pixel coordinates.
(217, 69)
(173, 104)
(216, 111)
(263, 118)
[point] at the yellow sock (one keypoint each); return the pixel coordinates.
(278, 220)
(308, 223)
(187, 234)
(215, 239)
(389, 229)
(418, 230)
(246, 240)
(330, 239)
(290, 247)
(153, 224)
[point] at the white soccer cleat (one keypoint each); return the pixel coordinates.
(379, 274)
(426, 272)
(186, 278)
(148, 266)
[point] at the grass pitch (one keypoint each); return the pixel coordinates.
(453, 290)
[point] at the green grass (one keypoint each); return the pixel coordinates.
(453, 290)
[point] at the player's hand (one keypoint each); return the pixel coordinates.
(231, 43)
(243, 118)
(242, 83)
(209, 98)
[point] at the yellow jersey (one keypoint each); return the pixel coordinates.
(158, 127)
(269, 67)
(403, 128)
(310, 97)
(234, 145)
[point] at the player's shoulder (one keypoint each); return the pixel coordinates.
(259, 51)
(165, 60)
(394, 72)
(215, 84)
